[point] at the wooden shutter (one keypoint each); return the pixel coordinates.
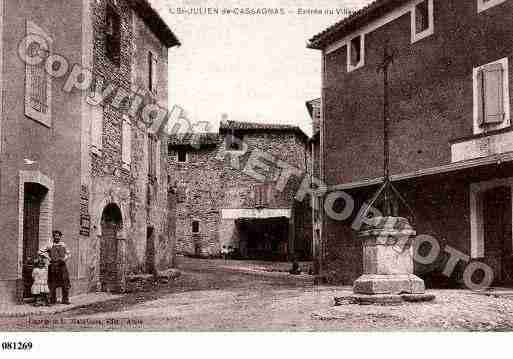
(491, 95)
(126, 148)
(37, 81)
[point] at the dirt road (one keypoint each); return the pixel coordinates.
(208, 296)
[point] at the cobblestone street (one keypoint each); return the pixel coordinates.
(218, 295)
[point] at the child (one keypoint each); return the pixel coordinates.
(40, 288)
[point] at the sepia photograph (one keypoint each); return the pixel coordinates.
(314, 168)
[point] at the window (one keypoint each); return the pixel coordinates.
(113, 35)
(355, 54)
(195, 226)
(182, 155)
(234, 141)
(483, 5)
(181, 194)
(38, 84)
(491, 94)
(261, 195)
(152, 72)
(422, 20)
(152, 160)
(96, 129)
(126, 147)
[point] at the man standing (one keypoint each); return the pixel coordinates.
(58, 275)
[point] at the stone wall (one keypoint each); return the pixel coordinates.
(143, 200)
(211, 182)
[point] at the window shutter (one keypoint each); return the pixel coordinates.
(480, 97)
(96, 127)
(492, 94)
(126, 147)
(37, 81)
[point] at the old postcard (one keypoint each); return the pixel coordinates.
(274, 166)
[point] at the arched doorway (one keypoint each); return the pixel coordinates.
(112, 222)
(33, 197)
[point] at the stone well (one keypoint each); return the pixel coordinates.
(388, 263)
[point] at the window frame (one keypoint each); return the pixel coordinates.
(152, 72)
(261, 194)
(361, 63)
(431, 21)
(483, 5)
(126, 153)
(96, 115)
(477, 129)
(198, 222)
(152, 156)
(110, 39)
(45, 118)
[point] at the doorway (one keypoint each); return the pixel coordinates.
(265, 239)
(111, 223)
(33, 196)
(497, 212)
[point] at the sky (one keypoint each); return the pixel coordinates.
(251, 67)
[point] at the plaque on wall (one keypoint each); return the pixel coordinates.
(85, 218)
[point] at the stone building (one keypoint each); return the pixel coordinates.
(450, 129)
(77, 154)
(314, 110)
(227, 199)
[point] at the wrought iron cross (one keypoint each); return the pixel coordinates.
(387, 189)
(388, 59)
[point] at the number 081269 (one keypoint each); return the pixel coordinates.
(16, 345)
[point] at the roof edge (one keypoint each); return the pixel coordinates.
(352, 22)
(155, 22)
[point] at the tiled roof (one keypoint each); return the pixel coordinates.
(155, 22)
(353, 22)
(193, 139)
(260, 127)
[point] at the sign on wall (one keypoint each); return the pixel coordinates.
(85, 218)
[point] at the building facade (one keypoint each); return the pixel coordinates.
(314, 110)
(450, 128)
(228, 196)
(76, 154)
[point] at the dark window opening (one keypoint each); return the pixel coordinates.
(234, 142)
(152, 72)
(421, 17)
(152, 157)
(195, 226)
(356, 50)
(182, 156)
(113, 35)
